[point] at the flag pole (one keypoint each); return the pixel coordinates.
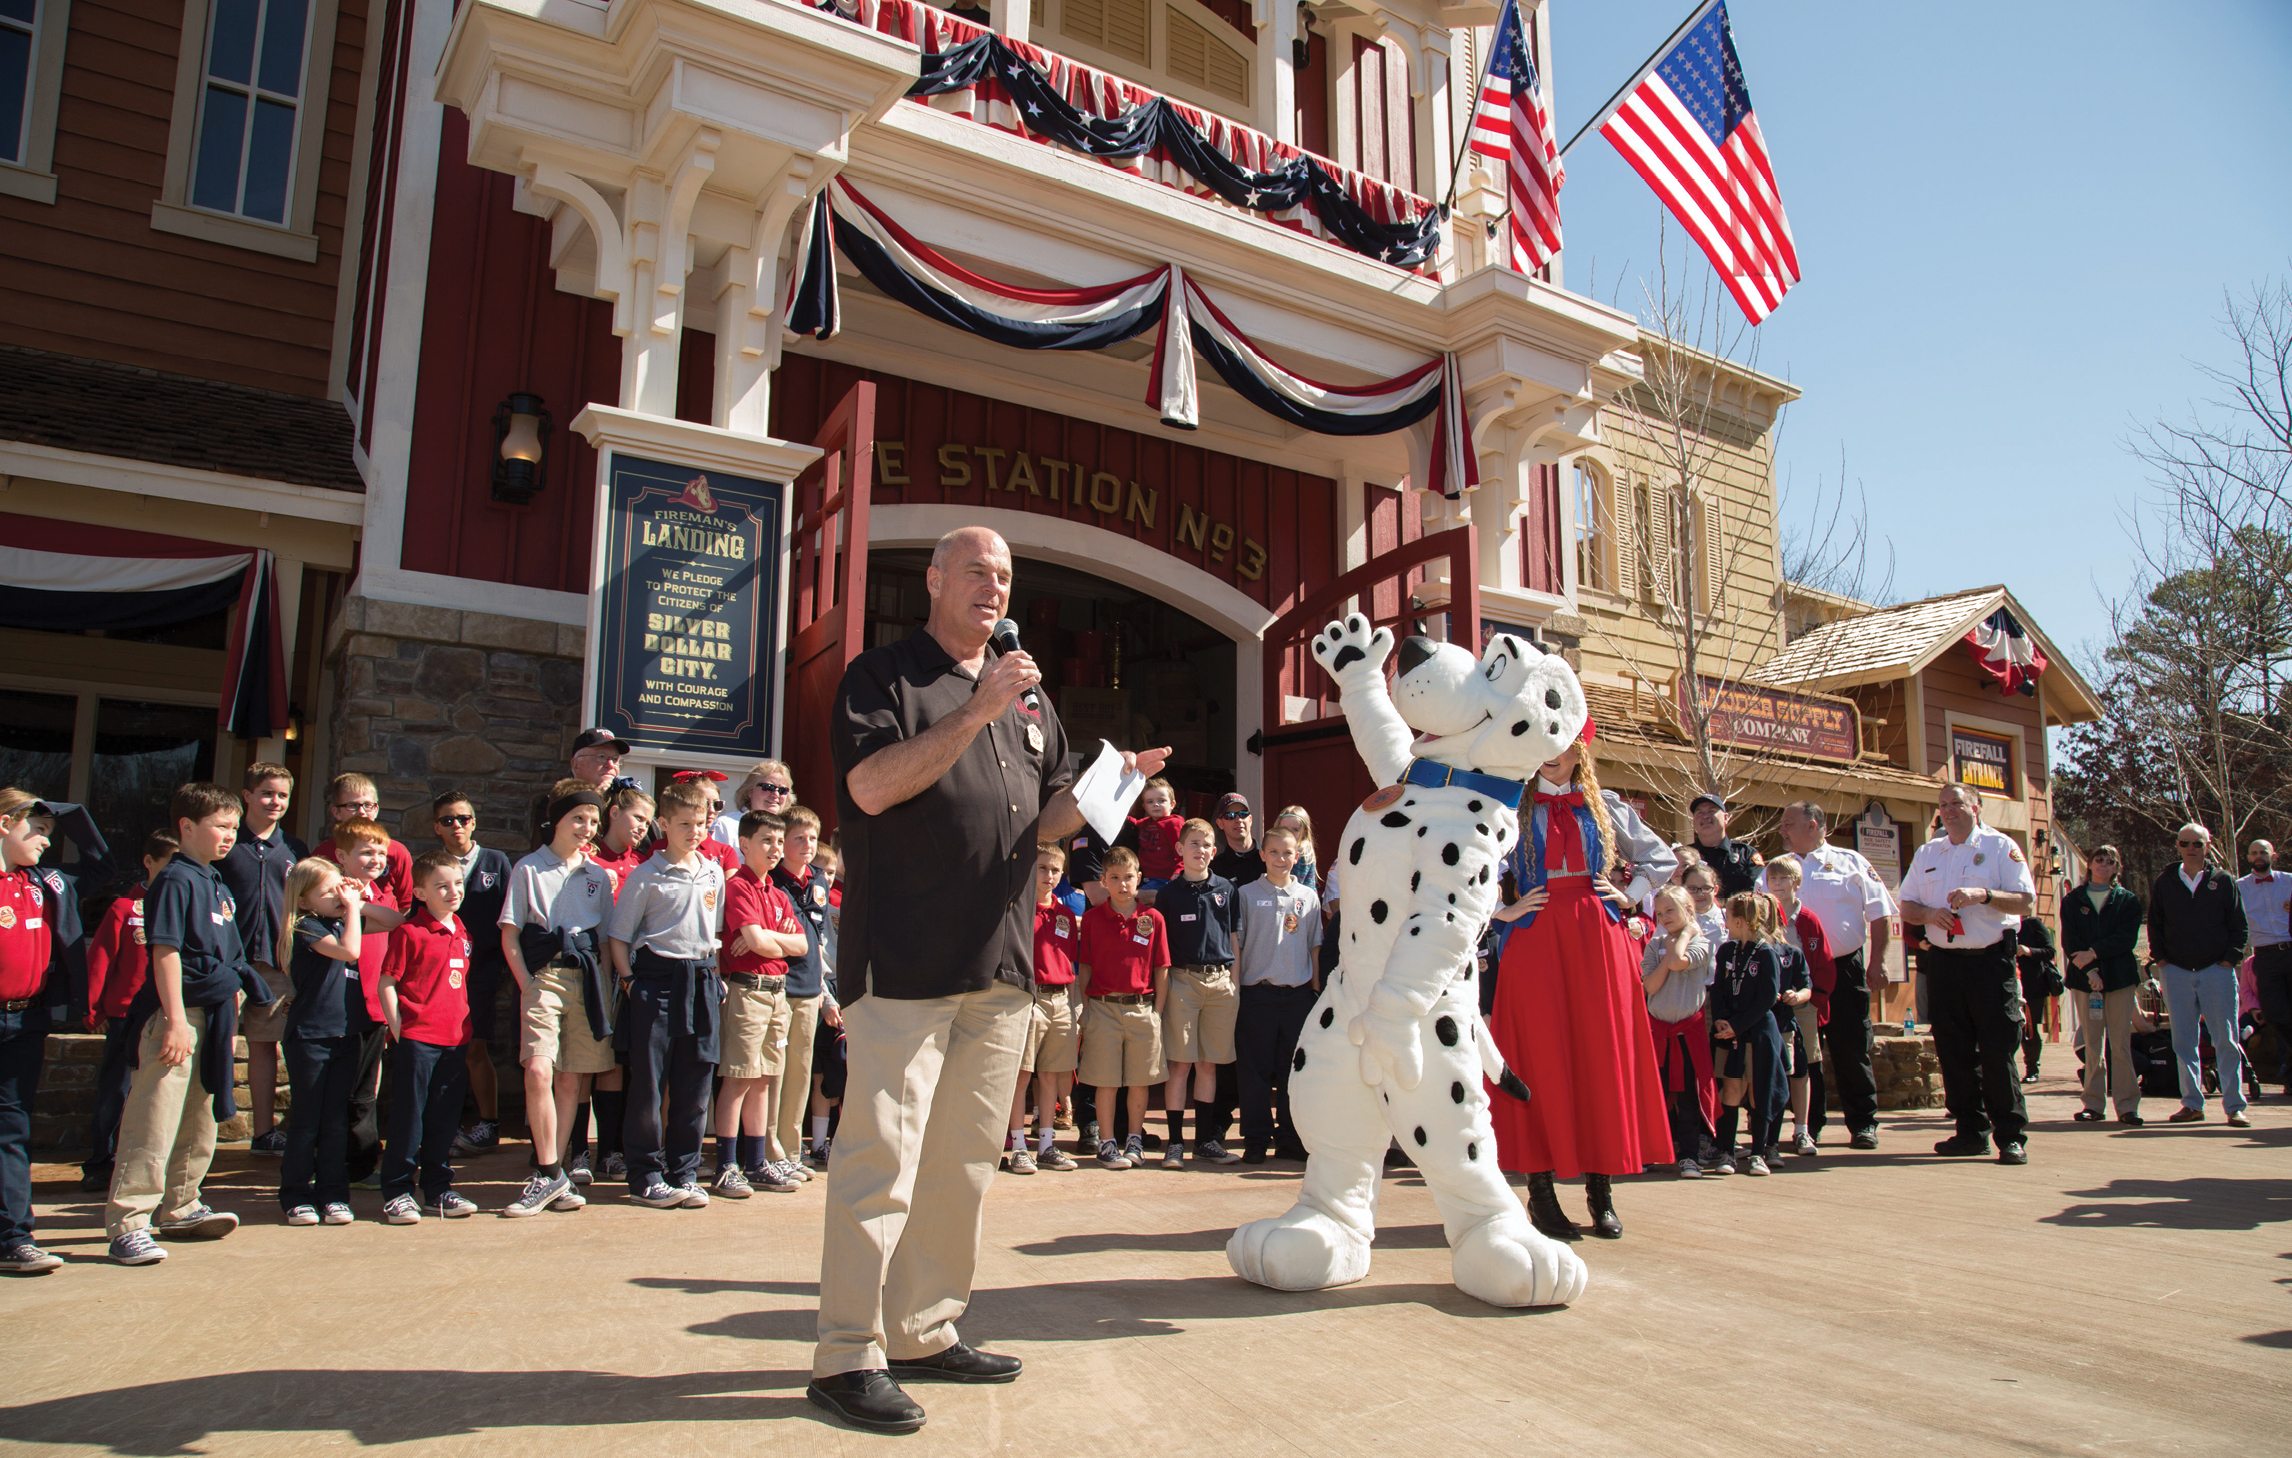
(1608, 108)
(1471, 115)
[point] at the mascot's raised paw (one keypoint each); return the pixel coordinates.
(1505, 1262)
(1303, 1250)
(1343, 644)
(1391, 1048)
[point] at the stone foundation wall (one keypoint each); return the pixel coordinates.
(431, 699)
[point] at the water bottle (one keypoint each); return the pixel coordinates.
(1909, 1025)
(2096, 1004)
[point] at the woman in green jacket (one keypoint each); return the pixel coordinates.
(2100, 925)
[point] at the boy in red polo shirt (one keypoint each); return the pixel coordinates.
(118, 964)
(1126, 961)
(353, 797)
(426, 1005)
(1047, 1057)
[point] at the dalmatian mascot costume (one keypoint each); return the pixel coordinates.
(1395, 1048)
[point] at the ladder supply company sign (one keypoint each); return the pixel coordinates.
(688, 607)
(1763, 718)
(1984, 761)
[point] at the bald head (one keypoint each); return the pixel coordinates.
(970, 587)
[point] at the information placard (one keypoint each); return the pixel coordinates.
(688, 607)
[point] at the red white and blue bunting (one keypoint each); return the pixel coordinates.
(2006, 652)
(1190, 326)
(65, 577)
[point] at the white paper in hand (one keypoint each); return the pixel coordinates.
(1104, 792)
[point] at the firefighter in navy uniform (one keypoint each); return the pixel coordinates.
(1737, 864)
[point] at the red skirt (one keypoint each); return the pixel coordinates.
(1571, 1020)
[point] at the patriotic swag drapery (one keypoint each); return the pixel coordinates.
(67, 576)
(844, 221)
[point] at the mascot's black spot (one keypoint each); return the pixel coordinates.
(1484, 870)
(1553, 728)
(1360, 844)
(1298, 1062)
(1328, 1016)
(1479, 828)
(1346, 656)
(1456, 1093)
(1473, 806)
(1414, 930)
(1519, 727)
(1408, 804)
(1551, 698)
(1472, 1151)
(1394, 821)
(1415, 879)
(1444, 1028)
(1377, 910)
(1448, 915)
(1449, 854)
(1420, 1136)
(1452, 898)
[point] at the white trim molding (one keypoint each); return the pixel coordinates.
(33, 175)
(179, 483)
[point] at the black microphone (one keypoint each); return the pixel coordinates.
(1006, 640)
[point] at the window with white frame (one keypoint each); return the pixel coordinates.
(250, 108)
(31, 80)
(1595, 529)
(19, 41)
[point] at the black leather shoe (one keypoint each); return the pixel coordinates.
(867, 1399)
(958, 1363)
(1864, 1139)
(2013, 1152)
(1963, 1146)
(1544, 1210)
(1599, 1190)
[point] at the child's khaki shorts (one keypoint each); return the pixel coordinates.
(1198, 1016)
(1121, 1044)
(267, 1024)
(554, 1025)
(1054, 1034)
(755, 1039)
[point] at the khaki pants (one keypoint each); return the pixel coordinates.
(927, 1096)
(792, 1098)
(166, 1134)
(2114, 1027)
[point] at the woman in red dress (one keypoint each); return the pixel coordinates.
(1571, 1015)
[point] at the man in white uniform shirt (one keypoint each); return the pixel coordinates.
(1845, 894)
(1970, 887)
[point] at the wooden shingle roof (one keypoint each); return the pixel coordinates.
(1899, 641)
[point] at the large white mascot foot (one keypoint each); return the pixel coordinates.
(1303, 1250)
(1505, 1262)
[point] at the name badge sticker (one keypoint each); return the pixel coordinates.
(1144, 936)
(1035, 737)
(1186, 916)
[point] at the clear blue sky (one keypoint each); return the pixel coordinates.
(2016, 220)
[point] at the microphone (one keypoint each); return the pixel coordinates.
(1005, 639)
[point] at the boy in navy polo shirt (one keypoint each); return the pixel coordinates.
(1201, 913)
(425, 1002)
(119, 963)
(1126, 958)
(485, 886)
(255, 873)
(185, 1022)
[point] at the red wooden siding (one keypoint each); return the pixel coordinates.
(1384, 113)
(1291, 515)
(1540, 566)
(494, 323)
(1312, 92)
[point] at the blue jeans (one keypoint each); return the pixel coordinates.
(23, 1040)
(2207, 993)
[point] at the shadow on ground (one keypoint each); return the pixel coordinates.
(2204, 1203)
(391, 1406)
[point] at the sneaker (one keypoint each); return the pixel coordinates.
(1756, 1165)
(1134, 1150)
(454, 1205)
(136, 1248)
(819, 1155)
(1022, 1160)
(1863, 1139)
(1805, 1145)
(336, 1213)
(1110, 1155)
(2088, 1116)
(271, 1145)
(1053, 1157)
(1211, 1151)
(695, 1195)
(540, 1193)
(772, 1179)
(478, 1138)
(302, 1215)
(616, 1166)
(22, 1258)
(1064, 1119)
(572, 1199)
(1688, 1169)
(401, 1210)
(1174, 1155)
(1720, 1164)
(371, 1180)
(659, 1195)
(1090, 1137)
(577, 1170)
(732, 1184)
(2240, 1120)
(2186, 1115)
(200, 1222)
(793, 1171)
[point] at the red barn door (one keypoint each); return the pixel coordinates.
(827, 589)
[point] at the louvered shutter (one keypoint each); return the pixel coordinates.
(1621, 521)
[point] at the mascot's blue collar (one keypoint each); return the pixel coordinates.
(1432, 775)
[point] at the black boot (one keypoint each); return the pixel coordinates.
(1600, 1192)
(1544, 1210)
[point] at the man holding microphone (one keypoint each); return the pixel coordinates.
(950, 770)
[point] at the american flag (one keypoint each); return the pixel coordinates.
(1688, 129)
(1511, 125)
